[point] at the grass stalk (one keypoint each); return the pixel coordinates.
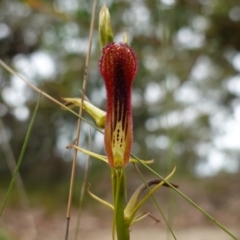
(20, 159)
(156, 203)
(11, 162)
(78, 132)
(10, 70)
(83, 189)
(187, 199)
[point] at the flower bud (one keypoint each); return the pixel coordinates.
(105, 28)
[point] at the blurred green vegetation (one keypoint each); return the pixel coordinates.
(4, 236)
(181, 95)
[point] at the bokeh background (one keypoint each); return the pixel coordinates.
(186, 100)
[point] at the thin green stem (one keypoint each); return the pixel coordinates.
(19, 162)
(114, 184)
(188, 199)
(155, 201)
(118, 180)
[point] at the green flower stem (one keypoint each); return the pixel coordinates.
(118, 183)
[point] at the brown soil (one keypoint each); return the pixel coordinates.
(220, 198)
(19, 225)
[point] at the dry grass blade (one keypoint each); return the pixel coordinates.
(46, 95)
(68, 215)
(83, 189)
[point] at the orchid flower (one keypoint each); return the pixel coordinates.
(118, 66)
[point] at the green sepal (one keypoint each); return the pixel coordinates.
(135, 203)
(139, 217)
(99, 199)
(102, 157)
(98, 115)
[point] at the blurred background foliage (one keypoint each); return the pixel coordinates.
(186, 104)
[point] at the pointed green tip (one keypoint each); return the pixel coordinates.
(105, 28)
(125, 38)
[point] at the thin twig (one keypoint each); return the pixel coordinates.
(68, 215)
(83, 188)
(5, 66)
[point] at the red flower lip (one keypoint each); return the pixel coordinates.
(118, 66)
